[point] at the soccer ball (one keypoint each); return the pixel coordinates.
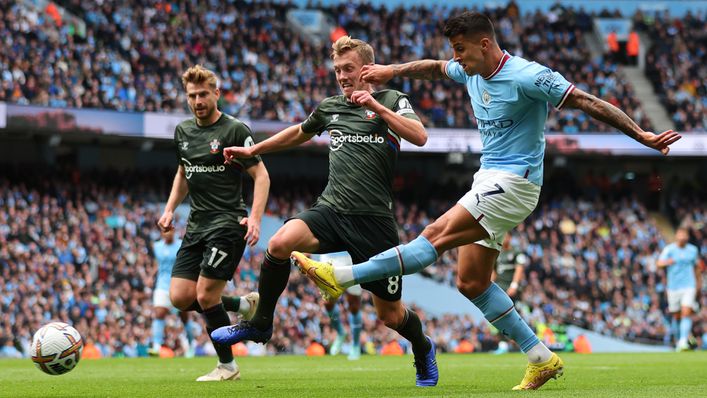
(56, 348)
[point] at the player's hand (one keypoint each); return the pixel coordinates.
(512, 291)
(365, 99)
(165, 222)
(236, 152)
(660, 142)
(253, 234)
(377, 74)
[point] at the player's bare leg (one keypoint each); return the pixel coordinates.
(204, 296)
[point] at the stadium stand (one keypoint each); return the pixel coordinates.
(131, 51)
(75, 245)
(675, 64)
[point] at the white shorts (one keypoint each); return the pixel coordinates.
(342, 259)
(679, 298)
(499, 201)
(160, 298)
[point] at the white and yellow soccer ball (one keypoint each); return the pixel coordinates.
(56, 348)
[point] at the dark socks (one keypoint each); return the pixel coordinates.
(216, 317)
(195, 307)
(232, 304)
(411, 329)
(274, 275)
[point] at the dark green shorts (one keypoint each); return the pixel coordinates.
(213, 254)
(362, 236)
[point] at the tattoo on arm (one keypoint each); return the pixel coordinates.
(604, 112)
(426, 69)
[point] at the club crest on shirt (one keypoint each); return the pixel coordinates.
(486, 97)
(370, 114)
(214, 146)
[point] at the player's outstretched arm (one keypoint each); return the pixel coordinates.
(410, 130)
(290, 137)
(426, 69)
(615, 117)
(261, 187)
(176, 196)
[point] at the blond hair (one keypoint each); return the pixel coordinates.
(345, 44)
(199, 75)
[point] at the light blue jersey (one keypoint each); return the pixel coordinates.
(510, 107)
(165, 254)
(681, 274)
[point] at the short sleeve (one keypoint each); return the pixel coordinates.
(542, 83)
(665, 254)
(403, 107)
(244, 138)
(315, 122)
(176, 145)
(455, 72)
(521, 259)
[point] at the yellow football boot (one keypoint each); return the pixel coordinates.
(322, 274)
(537, 374)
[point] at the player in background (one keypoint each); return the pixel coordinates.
(508, 275)
(219, 226)
(684, 279)
(509, 96)
(165, 252)
(353, 300)
(354, 213)
(510, 268)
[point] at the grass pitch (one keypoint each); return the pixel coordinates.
(482, 375)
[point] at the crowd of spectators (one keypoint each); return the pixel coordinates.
(676, 65)
(133, 53)
(76, 246)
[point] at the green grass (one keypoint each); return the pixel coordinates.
(483, 375)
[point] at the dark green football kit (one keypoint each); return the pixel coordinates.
(354, 212)
(213, 244)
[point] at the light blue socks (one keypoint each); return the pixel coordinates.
(356, 324)
(335, 315)
(400, 260)
(685, 328)
(158, 332)
(499, 311)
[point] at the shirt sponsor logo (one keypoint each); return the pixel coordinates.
(338, 139)
(190, 169)
(214, 146)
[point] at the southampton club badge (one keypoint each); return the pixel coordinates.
(214, 146)
(486, 97)
(370, 114)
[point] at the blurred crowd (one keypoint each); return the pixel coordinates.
(76, 246)
(676, 64)
(133, 53)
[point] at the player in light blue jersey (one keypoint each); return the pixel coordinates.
(680, 261)
(509, 96)
(165, 252)
(353, 299)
